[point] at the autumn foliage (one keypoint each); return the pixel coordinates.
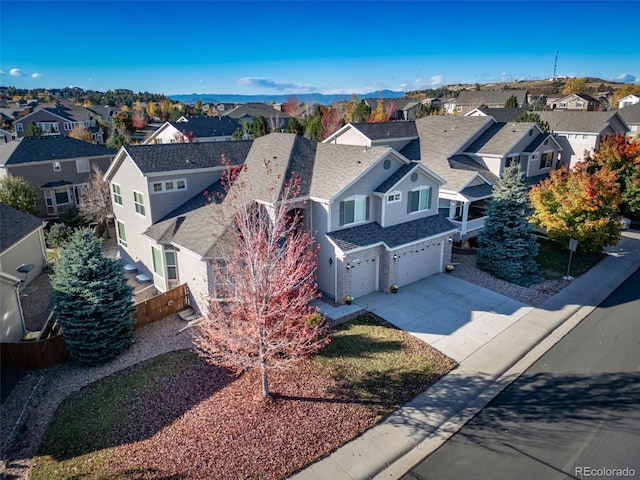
(265, 280)
(576, 203)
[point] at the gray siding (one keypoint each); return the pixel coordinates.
(325, 270)
(194, 272)
(396, 212)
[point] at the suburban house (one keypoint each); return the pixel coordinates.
(57, 166)
(5, 136)
(631, 116)
(203, 129)
(469, 153)
(577, 132)
(248, 112)
(467, 100)
(576, 102)
(628, 100)
(22, 258)
(59, 121)
(376, 223)
(509, 114)
(403, 108)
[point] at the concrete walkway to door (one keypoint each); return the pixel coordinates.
(454, 316)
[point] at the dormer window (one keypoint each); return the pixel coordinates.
(354, 209)
(394, 197)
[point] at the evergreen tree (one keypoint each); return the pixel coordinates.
(93, 301)
(507, 248)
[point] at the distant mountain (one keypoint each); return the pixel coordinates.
(303, 97)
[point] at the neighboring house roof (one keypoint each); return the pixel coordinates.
(490, 97)
(15, 225)
(49, 148)
(509, 114)
(383, 130)
(630, 114)
(254, 110)
(583, 96)
(500, 138)
(202, 126)
(563, 121)
(187, 156)
(69, 112)
(395, 236)
(401, 103)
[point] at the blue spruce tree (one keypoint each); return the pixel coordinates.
(93, 301)
(506, 247)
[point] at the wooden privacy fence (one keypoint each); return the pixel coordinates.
(45, 352)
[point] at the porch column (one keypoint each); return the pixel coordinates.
(465, 215)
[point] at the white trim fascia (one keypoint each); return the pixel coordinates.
(346, 128)
(477, 175)
(44, 109)
(117, 162)
(449, 195)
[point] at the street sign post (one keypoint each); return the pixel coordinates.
(573, 245)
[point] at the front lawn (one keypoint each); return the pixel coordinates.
(177, 417)
(553, 260)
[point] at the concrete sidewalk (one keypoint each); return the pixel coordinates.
(390, 449)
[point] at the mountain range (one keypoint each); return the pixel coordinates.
(302, 97)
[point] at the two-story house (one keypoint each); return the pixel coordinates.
(628, 101)
(467, 100)
(469, 153)
(202, 128)
(631, 116)
(580, 132)
(56, 166)
(248, 112)
(60, 121)
(372, 211)
(576, 102)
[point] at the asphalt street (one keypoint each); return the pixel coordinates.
(575, 413)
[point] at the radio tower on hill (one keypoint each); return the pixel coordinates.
(555, 65)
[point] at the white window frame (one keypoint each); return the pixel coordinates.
(57, 166)
(19, 127)
(121, 241)
(68, 126)
(116, 191)
(82, 165)
(139, 206)
(171, 274)
(579, 104)
(359, 209)
(394, 197)
(166, 186)
(427, 199)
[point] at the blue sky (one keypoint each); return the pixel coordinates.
(283, 47)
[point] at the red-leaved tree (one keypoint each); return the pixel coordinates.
(184, 137)
(267, 274)
(139, 119)
(331, 120)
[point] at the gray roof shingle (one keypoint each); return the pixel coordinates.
(384, 130)
(395, 236)
(500, 138)
(254, 110)
(579, 122)
(208, 126)
(15, 225)
(49, 148)
(630, 114)
(395, 177)
(167, 157)
(490, 97)
(504, 114)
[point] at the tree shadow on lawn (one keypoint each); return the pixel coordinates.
(133, 405)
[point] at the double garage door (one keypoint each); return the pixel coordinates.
(419, 263)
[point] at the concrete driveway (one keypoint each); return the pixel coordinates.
(452, 315)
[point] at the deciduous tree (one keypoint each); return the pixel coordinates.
(507, 247)
(293, 107)
(184, 137)
(139, 119)
(331, 121)
(574, 85)
(268, 272)
(622, 156)
(579, 204)
(95, 200)
(17, 193)
(80, 133)
(379, 114)
(92, 300)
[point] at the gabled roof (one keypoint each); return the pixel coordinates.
(338, 166)
(15, 225)
(500, 114)
(68, 112)
(565, 121)
(630, 114)
(254, 110)
(187, 156)
(583, 96)
(501, 137)
(49, 148)
(401, 103)
(489, 97)
(441, 137)
(202, 126)
(397, 176)
(387, 130)
(392, 237)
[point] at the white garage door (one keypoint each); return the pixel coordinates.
(416, 265)
(364, 278)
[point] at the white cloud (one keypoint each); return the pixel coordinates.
(16, 72)
(627, 78)
(36, 75)
(436, 80)
(275, 85)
